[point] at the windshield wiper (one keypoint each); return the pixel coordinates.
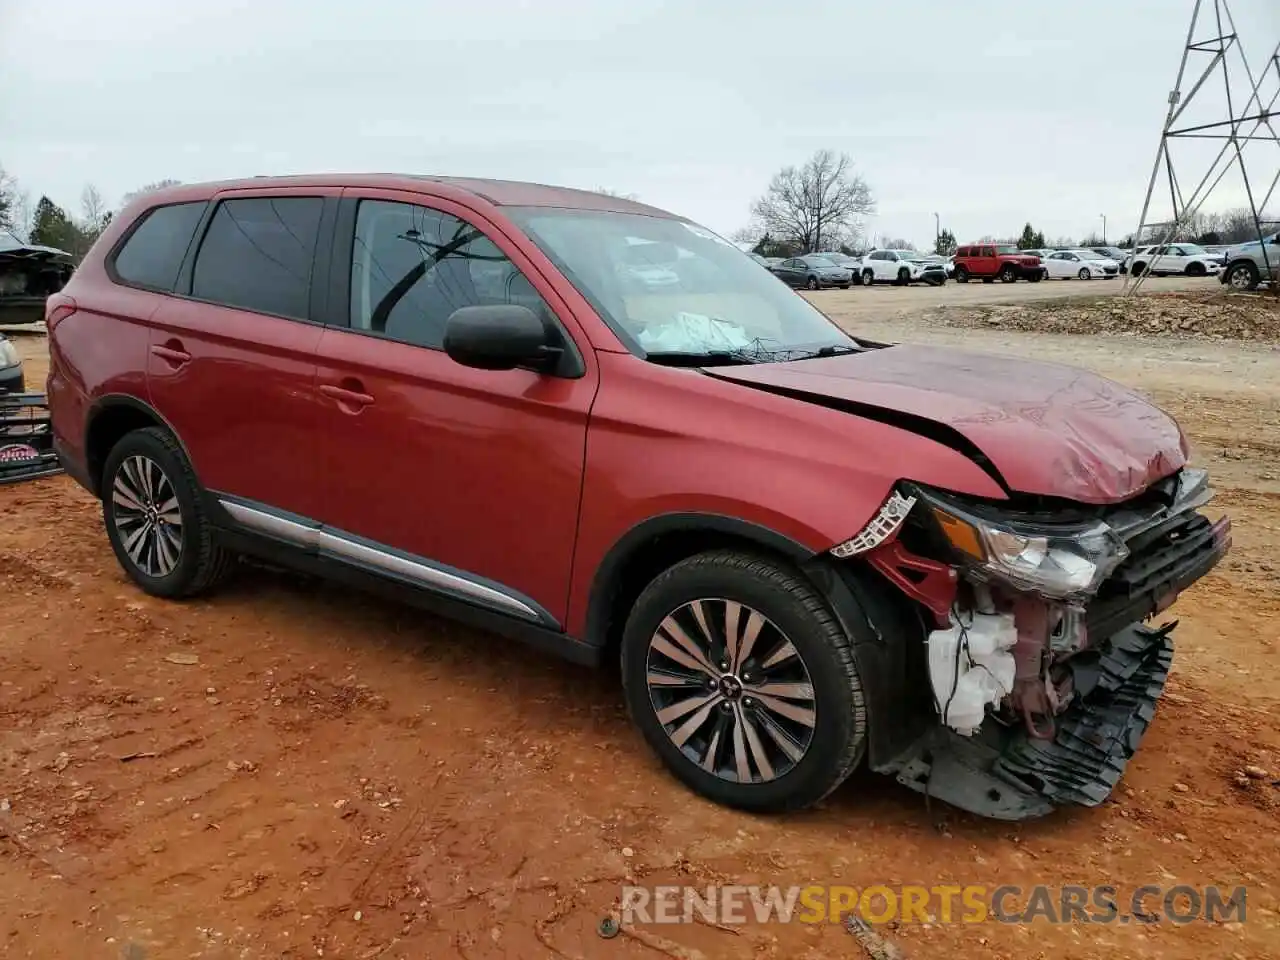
(831, 350)
(698, 358)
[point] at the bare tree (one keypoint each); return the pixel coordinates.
(899, 244)
(8, 200)
(93, 208)
(615, 193)
(814, 204)
(148, 188)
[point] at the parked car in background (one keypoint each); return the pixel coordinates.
(759, 259)
(1247, 264)
(902, 267)
(991, 261)
(812, 272)
(1079, 265)
(29, 273)
(1187, 259)
(852, 264)
(1110, 253)
(799, 550)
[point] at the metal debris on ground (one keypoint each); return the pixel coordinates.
(876, 946)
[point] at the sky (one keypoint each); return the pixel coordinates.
(989, 119)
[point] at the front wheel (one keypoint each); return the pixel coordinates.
(1008, 275)
(1196, 270)
(868, 278)
(904, 278)
(962, 275)
(743, 681)
(155, 519)
(812, 283)
(1084, 274)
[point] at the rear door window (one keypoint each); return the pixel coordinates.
(257, 255)
(153, 253)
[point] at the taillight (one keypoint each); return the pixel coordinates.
(57, 308)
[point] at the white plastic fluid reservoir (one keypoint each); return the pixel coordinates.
(970, 666)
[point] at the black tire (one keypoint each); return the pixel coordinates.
(904, 278)
(988, 279)
(1137, 269)
(1084, 274)
(962, 275)
(1243, 276)
(1008, 274)
(844, 286)
(1036, 277)
(794, 608)
(1196, 270)
(812, 283)
(199, 563)
(868, 278)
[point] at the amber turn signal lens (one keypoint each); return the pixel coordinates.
(960, 534)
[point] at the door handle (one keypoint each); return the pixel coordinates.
(343, 395)
(172, 355)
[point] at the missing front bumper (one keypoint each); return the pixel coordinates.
(1005, 774)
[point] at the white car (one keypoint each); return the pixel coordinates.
(1079, 265)
(902, 267)
(1180, 258)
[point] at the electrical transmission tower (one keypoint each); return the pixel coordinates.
(1240, 125)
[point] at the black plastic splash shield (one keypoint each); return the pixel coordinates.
(26, 441)
(1005, 774)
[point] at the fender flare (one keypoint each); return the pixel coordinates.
(116, 401)
(608, 574)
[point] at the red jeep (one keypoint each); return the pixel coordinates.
(989, 261)
(600, 428)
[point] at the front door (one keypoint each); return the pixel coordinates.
(231, 364)
(460, 480)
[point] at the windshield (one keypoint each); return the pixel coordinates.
(912, 255)
(1007, 248)
(671, 287)
(1194, 249)
(815, 261)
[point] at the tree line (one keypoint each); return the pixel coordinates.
(47, 224)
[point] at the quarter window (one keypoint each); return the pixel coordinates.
(413, 267)
(153, 253)
(257, 255)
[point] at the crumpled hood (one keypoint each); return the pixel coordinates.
(1047, 428)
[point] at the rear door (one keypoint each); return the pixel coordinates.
(231, 362)
(460, 480)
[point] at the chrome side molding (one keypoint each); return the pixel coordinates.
(350, 549)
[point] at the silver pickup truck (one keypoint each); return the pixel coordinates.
(1247, 264)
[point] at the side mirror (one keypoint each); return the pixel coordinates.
(499, 337)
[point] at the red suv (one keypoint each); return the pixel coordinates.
(596, 426)
(991, 261)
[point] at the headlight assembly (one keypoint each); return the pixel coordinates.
(8, 355)
(1059, 562)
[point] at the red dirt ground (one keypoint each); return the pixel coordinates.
(328, 775)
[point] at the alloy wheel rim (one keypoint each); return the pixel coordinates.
(147, 516)
(731, 691)
(1240, 278)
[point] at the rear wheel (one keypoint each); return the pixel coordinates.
(1008, 274)
(155, 519)
(1036, 277)
(743, 681)
(845, 286)
(1243, 276)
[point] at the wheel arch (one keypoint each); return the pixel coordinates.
(108, 420)
(657, 543)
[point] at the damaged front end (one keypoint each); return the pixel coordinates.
(1042, 673)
